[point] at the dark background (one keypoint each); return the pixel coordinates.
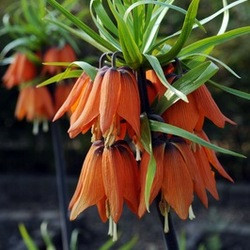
(27, 170)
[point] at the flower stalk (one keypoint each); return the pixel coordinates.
(61, 185)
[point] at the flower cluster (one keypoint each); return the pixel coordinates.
(38, 104)
(111, 174)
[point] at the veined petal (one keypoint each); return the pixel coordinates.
(90, 111)
(24, 103)
(129, 104)
(128, 171)
(206, 172)
(182, 114)
(82, 100)
(61, 94)
(90, 189)
(209, 108)
(158, 179)
(101, 206)
(211, 156)
(110, 96)
(43, 103)
(112, 182)
(193, 170)
(177, 186)
(73, 96)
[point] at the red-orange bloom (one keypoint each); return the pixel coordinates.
(182, 170)
(62, 91)
(21, 70)
(112, 96)
(172, 178)
(65, 54)
(108, 178)
(188, 116)
(34, 104)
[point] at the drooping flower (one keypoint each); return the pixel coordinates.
(182, 169)
(172, 178)
(191, 115)
(54, 54)
(34, 104)
(108, 179)
(62, 91)
(20, 70)
(112, 97)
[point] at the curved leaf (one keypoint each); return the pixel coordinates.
(82, 25)
(201, 45)
(58, 77)
(213, 59)
(189, 82)
(173, 130)
(159, 72)
(232, 91)
(147, 144)
(185, 32)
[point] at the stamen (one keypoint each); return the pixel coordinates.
(166, 224)
(35, 129)
(112, 229)
(164, 209)
(191, 214)
(45, 126)
(137, 153)
(110, 232)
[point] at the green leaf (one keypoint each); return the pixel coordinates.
(130, 244)
(173, 130)
(130, 50)
(232, 91)
(189, 82)
(82, 25)
(74, 240)
(185, 32)
(159, 72)
(89, 69)
(58, 77)
(80, 34)
(100, 25)
(225, 19)
(147, 144)
(14, 44)
(46, 237)
(213, 59)
(30, 244)
(202, 22)
(201, 45)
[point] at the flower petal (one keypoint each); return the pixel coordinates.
(112, 182)
(206, 172)
(128, 171)
(90, 189)
(157, 183)
(212, 157)
(90, 111)
(129, 104)
(73, 96)
(209, 108)
(177, 186)
(183, 115)
(110, 95)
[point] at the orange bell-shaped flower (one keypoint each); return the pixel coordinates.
(21, 70)
(34, 104)
(109, 177)
(65, 54)
(112, 96)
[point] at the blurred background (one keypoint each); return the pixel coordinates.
(27, 169)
